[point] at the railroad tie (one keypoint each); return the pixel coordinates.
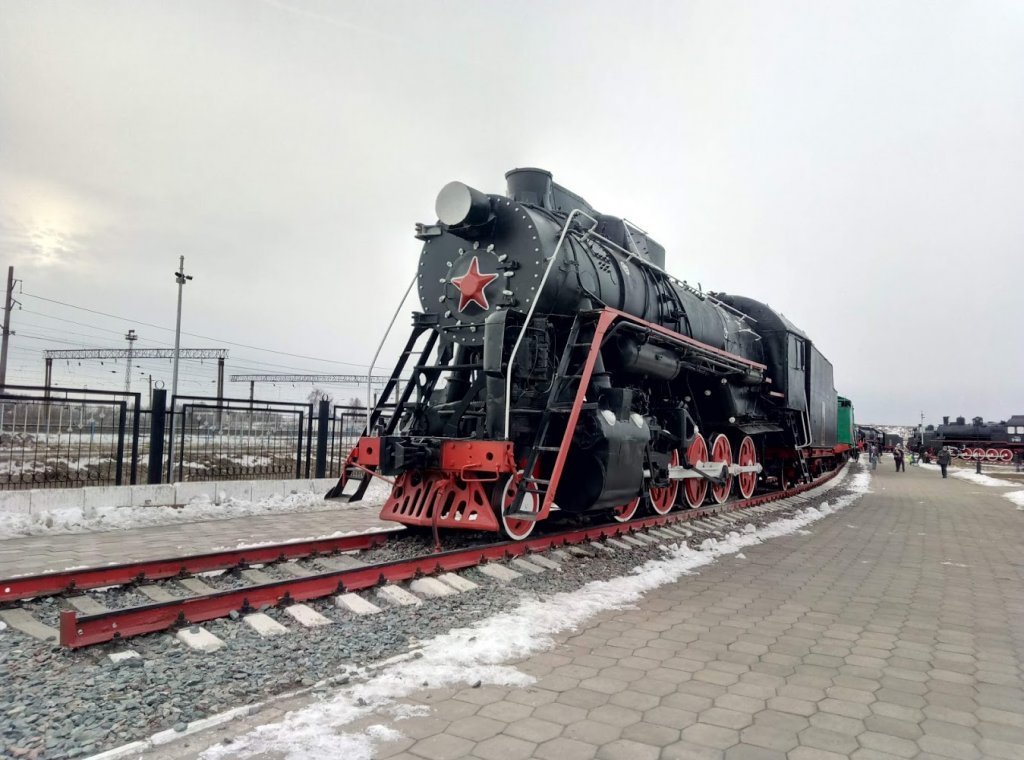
(356, 604)
(431, 587)
(340, 562)
(527, 566)
(457, 582)
(87, 605)
(258, 577)
(398, 596)
(540, 559)
(296, 570)
(617, 544)
(498, 572)
(20, 620)
(197, 587)
(307, 616)
(156, 593)
(199, 639)
(264, 625)
(644, 538)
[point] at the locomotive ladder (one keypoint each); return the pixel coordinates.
(804, 472)
(565, 399)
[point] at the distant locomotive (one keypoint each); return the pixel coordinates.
(558, 369)
(989, 441)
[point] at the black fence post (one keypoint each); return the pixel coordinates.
(122, 409)
(158, 413)
(323, 420)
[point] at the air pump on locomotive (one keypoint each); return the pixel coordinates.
(556, 369)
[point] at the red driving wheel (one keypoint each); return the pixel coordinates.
(626, 511)
(695, 489)
(662, 499)
(746, 456)
(721, 453)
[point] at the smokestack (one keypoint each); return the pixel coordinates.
(945, 420)
(531, 186)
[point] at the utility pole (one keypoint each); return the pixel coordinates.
(8, 307)
(181, 278)
(131, 337)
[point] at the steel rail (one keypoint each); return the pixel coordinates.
(78, 631)
(63, 581)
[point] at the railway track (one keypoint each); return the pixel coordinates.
(92, 624)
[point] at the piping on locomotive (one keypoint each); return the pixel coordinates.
(557, 368)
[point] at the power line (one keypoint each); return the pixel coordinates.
(339, 379)
(194, 335)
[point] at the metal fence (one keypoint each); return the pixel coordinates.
(77, 437)
(67, 438)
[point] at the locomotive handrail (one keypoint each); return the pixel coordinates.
(529, 314)
(376, 354)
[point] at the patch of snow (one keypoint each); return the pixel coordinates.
(955, 564)
(477, 653)
(971, 475)
(741, 555)
(1017, 497)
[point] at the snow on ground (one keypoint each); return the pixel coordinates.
(201, 509)
(971, 475)
(469, 655)
(1017, 497)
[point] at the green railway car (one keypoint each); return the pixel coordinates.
(846, 428)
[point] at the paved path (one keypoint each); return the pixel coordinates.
(895, 629)
(37, 554)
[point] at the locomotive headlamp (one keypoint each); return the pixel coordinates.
(459, 205)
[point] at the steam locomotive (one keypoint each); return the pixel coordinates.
(557, 369)
(991, 441)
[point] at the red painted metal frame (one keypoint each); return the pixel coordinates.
(13, 589)
(80, 631)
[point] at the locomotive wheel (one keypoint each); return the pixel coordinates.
(721, 452)
(662, 499)
(517, 530)
(626, 512)
(696, 489)
(1005, 455)
(746, 456)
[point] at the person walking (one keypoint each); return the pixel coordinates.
(897, 455)
(1020, 461)
(943, 460)
(873, 457)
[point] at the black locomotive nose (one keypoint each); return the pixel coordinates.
(459, 205)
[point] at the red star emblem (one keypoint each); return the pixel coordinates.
(471, 286)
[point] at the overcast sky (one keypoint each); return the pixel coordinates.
(857, 165)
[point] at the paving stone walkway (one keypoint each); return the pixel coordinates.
(53, 552)
(894, 629)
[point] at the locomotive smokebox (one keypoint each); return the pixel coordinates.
(459, 205)
(533, 186)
